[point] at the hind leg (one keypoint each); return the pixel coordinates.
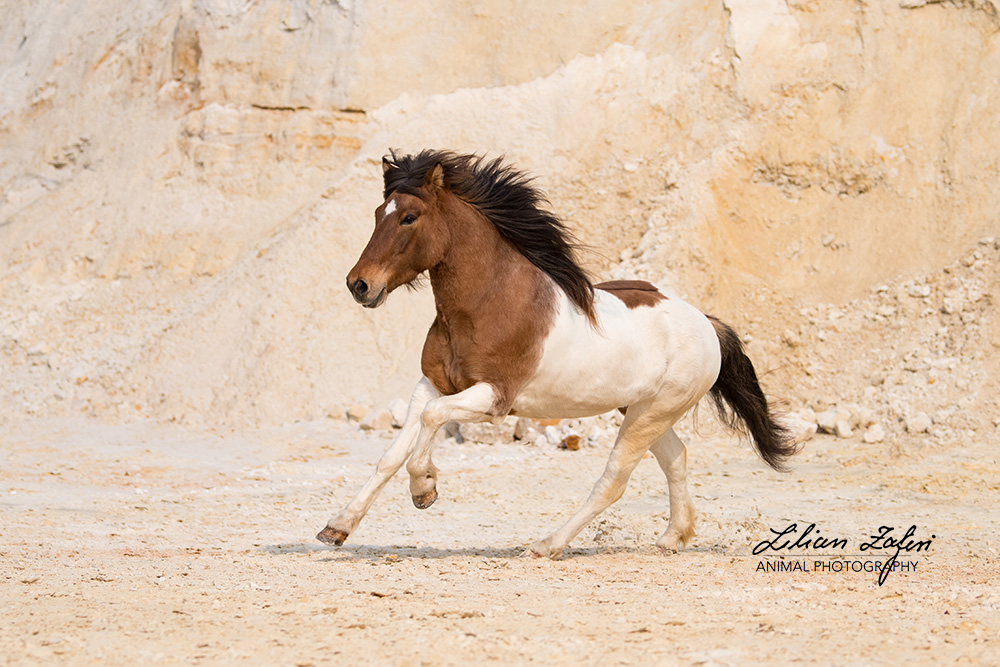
(638, 431)
(671, 454)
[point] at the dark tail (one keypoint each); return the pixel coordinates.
(741, 402)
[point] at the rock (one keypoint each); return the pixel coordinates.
(524, 428)
(570, 442)
(553, 435)
(800, 429)
(827, 420)
(356, 412)
(918, 423)
(454, 430)
(864, 417)
(842, 429)
(379, 419)
(397, 408)
(874, 434)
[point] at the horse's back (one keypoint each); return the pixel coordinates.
(641, 346)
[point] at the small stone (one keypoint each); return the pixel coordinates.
(827, 420)
(454, 430)
(865, 417)
(38, 350)
(790, 338)
(842, 429)
(553, 435)
(379, 419)
(874, 434)
(800, 429)
(522, 428)
(919, 291)
(397, 408)
(918, 423)
(357, 412)
(570, 442)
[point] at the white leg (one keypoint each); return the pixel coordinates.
(671, 454)
(638, 431)
(471, 405)
(344, 523)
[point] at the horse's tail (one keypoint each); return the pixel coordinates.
(741, 402)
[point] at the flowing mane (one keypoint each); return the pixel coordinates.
(509, 200)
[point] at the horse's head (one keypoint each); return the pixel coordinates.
(410, 237)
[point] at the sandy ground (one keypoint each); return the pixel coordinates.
(151, 544)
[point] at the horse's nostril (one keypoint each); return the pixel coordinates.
(360, 288)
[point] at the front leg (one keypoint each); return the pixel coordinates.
(343, 524)
(472, 405)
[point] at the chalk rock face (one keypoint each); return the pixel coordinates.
(185, 184)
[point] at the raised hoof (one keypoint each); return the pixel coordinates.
(331, 536)
(424, 501)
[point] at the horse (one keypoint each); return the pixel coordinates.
(521, 330)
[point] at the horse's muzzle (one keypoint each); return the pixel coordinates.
(365, 294)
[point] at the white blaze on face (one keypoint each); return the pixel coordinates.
(390, 208)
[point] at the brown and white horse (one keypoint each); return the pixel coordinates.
(520, 330)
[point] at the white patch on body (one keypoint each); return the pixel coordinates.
(633, 355)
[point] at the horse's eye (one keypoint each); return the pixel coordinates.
(408, 219)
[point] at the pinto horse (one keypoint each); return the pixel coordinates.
(521, 330)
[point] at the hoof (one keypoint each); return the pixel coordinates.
(424, 501)
(667, 551)
(332, 536)
(541, 549)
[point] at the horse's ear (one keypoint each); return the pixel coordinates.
(435, 178)
(386, 165)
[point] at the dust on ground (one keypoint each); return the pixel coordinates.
(157, 544)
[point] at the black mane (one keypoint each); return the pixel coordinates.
(509, 200)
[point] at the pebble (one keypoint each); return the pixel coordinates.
(842, 429)
(828, 419)
(524, 428)
(397, 408)
(800, 429)
(874, 434)
(918, 423)
(379, 419)
(357, 412)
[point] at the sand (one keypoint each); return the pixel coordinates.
(163, 545)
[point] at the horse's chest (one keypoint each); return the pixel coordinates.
(455, 358)
(443, 360)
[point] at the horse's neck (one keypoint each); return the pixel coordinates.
(482, 273)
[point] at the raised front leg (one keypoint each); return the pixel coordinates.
(343, 524)
(471, 405)
(671, 454)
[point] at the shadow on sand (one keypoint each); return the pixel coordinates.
(372, 552)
